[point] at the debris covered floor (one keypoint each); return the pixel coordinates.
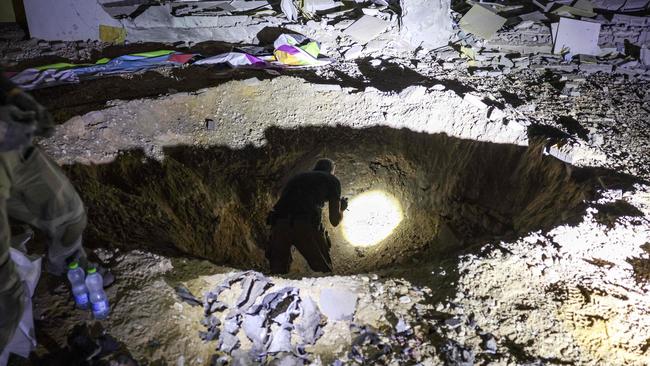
(521, 171)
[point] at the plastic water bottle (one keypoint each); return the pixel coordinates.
(98, 299)
(76, 277)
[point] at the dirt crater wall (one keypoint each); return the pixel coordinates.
(212, 202)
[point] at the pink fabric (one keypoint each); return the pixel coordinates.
(180, 58)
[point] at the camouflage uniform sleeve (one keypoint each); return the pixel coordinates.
(5, 86)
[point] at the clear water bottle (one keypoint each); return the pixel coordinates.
(76, 277)
(97, 296)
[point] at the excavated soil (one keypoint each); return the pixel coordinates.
(212, 202)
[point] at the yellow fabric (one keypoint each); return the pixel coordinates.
(311, 48)
(152, 53)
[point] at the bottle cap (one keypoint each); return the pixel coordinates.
(73, 265)
(91, 270)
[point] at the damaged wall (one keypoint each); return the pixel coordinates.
(67, 20)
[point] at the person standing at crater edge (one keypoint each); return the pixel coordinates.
(34, 190)
(296, 218)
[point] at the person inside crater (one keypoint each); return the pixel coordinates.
(296, 218)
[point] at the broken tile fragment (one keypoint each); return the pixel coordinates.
(481, 22)
(576, 37)
(366, 29)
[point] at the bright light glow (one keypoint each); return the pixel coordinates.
(370, 218)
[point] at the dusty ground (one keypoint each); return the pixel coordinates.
(574, 292)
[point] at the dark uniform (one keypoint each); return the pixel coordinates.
(33, 189)
(296, 220)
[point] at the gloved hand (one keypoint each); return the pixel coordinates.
(344, 203)
(24, 101)
(17, 127)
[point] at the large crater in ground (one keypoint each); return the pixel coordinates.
(212, 202)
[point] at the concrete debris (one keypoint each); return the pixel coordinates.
(475, 101)
(366, 29)
(338, 304)
(546, 5)
(456, 354)
(426, 23)
(576, 37)
(496, 114)
(353, 53)
(481, 22)
(535, 16)
(625, 6)
(489, 343)
(267, 319)
(438, 87)
(185, 295)
(531, 41)
(581, 8)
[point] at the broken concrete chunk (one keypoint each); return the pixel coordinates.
(475, 100)
(581, 8)
(489, 344)
(576, 37)
(481, 22)
(185, 295)
(546, 5)
(596, 68)
(353, 53)
(426, 23)
(366, 29)
(496, 114)
(370, 11)
(535, 16)
(413, 92)
(621, 5)
(402, 326)
(313, 6)
(338, 304)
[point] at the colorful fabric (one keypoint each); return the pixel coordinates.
(290, 51)
(65, 73)
(234, 59)
(297, 50)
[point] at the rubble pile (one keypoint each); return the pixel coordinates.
(13, 49)
(559, 36)
(365, 321)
